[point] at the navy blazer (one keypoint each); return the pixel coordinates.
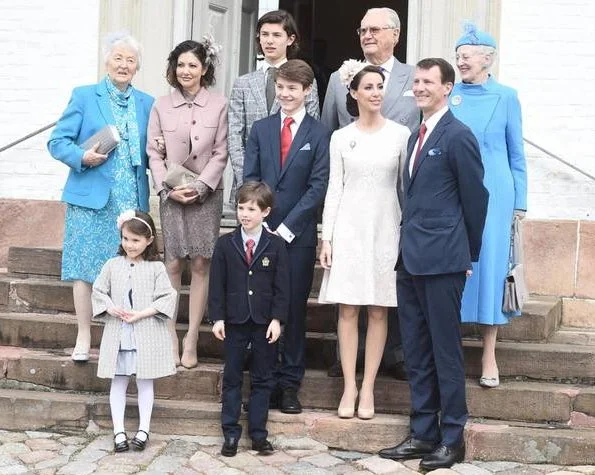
(300, 186)
(238, 291)
(88, 111)
(445, 202)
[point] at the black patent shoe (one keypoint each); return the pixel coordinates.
(121, 446)
(139, 444)
(410, 448)
(263, 447)
(230, 447)
(443, 457)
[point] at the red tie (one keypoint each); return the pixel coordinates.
(422, 132)
(249, 250)
(285, 138)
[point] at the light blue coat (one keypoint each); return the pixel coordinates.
(88, 111)
(493, 112)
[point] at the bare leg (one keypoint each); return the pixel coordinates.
(174, 271)
(375, 341)
(81, 293)
(488, 360)
(199, 286)
(348, 336)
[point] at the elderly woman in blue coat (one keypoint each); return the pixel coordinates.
(493, 113)
(100, 187)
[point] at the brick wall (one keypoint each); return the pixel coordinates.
(547, 52)
(47, 49)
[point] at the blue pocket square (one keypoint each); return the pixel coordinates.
(434, 152)
(306, 147)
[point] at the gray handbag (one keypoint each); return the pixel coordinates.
(178, 174)
(515, 289)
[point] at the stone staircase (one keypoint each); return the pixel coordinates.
(543, 412)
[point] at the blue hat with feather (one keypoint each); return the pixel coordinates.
(474, 36)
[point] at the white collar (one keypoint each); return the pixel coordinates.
(297, 117)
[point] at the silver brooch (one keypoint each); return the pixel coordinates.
(352, 144)
(456, 100)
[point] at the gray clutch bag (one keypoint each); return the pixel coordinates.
(108, 139)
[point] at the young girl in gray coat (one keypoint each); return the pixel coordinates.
(134, 297)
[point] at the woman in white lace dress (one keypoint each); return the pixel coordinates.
(360, 228)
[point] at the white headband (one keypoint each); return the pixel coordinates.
(130, 215)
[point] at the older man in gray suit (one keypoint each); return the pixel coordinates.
(378, 34)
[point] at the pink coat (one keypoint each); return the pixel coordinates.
(196, 132)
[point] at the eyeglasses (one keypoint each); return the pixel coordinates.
(373, 30)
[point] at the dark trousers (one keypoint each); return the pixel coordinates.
(292, 347)
(237, 338)
(429, 311)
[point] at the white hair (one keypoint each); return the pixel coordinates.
(490, 52)
(393, 16)
(121, 38)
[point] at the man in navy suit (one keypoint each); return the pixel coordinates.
(248, 299)
(290, 152)
(444, 212)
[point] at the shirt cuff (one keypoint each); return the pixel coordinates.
(285, 233)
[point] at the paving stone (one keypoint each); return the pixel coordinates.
(89, 455)
(202, 439)
(443, 471)
(33, 434)
(166, 464)
(6, 460)
(224, 471)
(69, 450)
(241, 460)
(31, 458)
(301, 453)
(470, 469)
(588, 469)
(304, 468)
(118, 467)
(277, 458)
(375, 464)
(412, 464)
(298, 443)
(545, 468)
(202, 461)
(43, 444)
(47, 471)
(55, 462)
(263, 470)
(14, 448)
(180, 448)
(77, 468)
(14, 469)
(564, 472)
(344, 455)
(324, 460)
(346, 468)
(103, 442)
(73, 440)
(525, 471)
(6, 437)
(495, 467)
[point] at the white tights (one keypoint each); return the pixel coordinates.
(117, 400)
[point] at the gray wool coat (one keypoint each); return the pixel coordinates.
(150, 288)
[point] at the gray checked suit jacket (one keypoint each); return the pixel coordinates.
(247, 104)
(402, 109)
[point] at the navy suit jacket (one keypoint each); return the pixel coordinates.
(445, 202)
(300, 186)
(238, 291)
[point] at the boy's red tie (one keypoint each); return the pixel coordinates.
(285, 138)
(249, 250)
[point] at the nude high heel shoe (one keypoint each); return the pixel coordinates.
(346, 410)
(365, 412)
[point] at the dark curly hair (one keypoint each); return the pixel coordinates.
(136, 226)
(351, 103)
(198, 50)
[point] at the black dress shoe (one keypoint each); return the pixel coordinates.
(335, 371)
(230, 447)
(121, 446)
(139, 444)
(408, 449)
(443, 457)
(263, 447)
(290, 404)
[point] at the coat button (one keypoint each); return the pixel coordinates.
(193, 122)
(249, 272)
(189, 105)
(194, 157)
(196, 137)
(250, 292)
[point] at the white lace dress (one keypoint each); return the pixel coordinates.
(362, 215)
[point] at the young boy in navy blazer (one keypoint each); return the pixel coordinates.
(248, 300)
(290, 152)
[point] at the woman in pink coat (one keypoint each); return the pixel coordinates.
(189, 127)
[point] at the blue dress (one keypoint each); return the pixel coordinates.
(492, 111)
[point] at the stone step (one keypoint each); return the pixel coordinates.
(512, 400)
(541, 315)
(565, 362)
(485, 440)
(574, 336)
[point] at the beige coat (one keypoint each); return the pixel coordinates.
(195, 134)
(150, 288)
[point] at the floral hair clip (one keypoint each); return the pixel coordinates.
(349, 69)
(129, 216)
(213, 49)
